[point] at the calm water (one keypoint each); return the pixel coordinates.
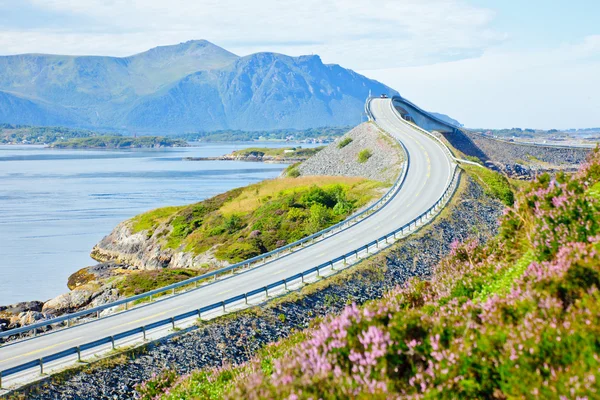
(56, 204)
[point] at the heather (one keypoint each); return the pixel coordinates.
(517, 317)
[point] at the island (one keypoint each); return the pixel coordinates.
(265, 154)
(119, 142)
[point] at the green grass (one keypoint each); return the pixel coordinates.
(249, 221)
(364, 155)
(144, 281)
(594, 191)
(493, 183)
(344, 142)
(152, 218)
(502, 284)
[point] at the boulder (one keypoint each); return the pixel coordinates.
(30, 317)
(68, 302)
(25, 306)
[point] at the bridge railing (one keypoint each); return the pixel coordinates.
(255, 262)
(407, 228)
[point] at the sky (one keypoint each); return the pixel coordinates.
(486, 63)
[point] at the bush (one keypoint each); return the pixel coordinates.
(344, 142)
(364, 155)
(293, 173)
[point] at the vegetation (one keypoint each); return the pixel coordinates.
(143, 281)
(325, 133)
(249, 221)
(493, 183)
(364, 155)
(344, 142)
(119, 142)
(518, 317)
(288, 153)
(19, 134)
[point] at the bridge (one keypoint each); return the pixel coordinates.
(424, 119)
(428, 180)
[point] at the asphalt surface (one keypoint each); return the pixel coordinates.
(428, 176)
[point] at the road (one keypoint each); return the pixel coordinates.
(429, 174)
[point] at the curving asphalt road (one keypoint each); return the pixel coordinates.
(429, 174)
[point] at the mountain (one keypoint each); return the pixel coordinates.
(192, 86)
(446, 118)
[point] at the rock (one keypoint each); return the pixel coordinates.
(4, 324)
(30, 317)
(22, 307)
(138, 251)
(68, 302)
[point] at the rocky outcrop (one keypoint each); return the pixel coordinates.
(139, 251)
(383, 165)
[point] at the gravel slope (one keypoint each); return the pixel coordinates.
(383, 165)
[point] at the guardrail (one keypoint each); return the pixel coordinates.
(244, 265)
(222, 305)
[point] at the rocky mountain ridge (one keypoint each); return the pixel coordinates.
(189, 87)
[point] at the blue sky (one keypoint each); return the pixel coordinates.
(486, 63)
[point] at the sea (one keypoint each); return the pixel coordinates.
(55, 205)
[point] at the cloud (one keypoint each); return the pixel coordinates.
(354, 33)
(552, 88)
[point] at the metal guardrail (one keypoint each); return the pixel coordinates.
(245, 265)
(408, 227)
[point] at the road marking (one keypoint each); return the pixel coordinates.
(40, 350)
(145, 318)
(225, 291)
(278, 272)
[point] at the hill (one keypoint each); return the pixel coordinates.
(189, 87)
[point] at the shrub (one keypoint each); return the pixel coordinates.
(364, 155)
(293, 173)
(344, 142)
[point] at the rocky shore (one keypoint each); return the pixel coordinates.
(234, 338)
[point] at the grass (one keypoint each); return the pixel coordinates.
(493, 183)
(296, 152)
(144, 281)
(151, 219)
(364, 155)
(249, 221)
(502, 284)
(344, 142)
